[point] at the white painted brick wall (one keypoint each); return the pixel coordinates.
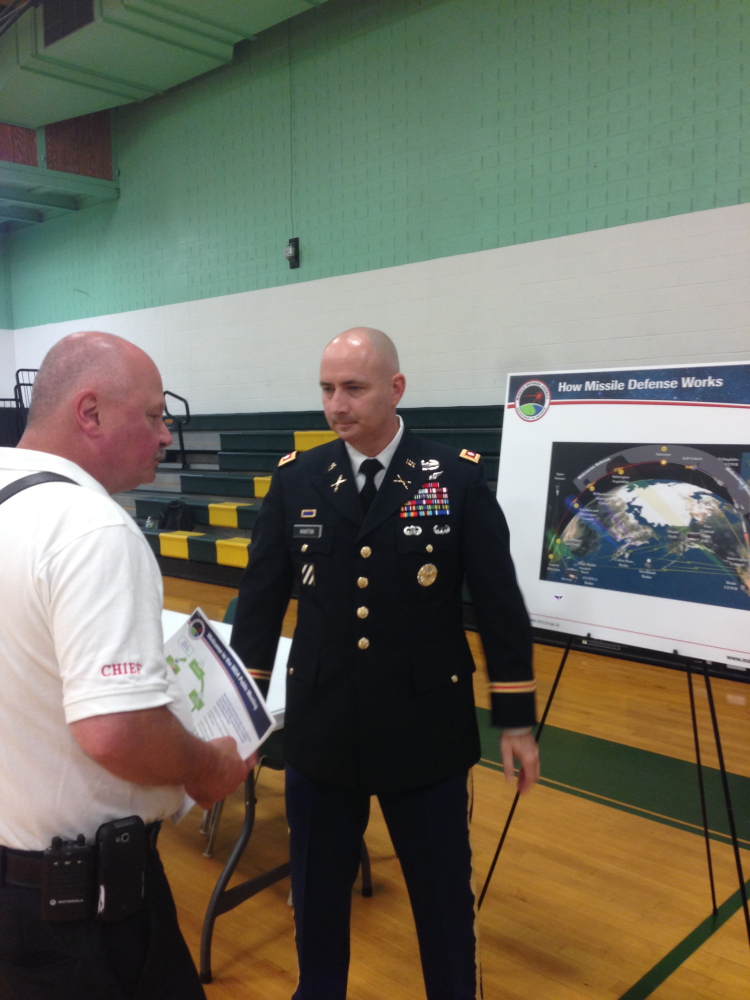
(668, 291)
(7, 363)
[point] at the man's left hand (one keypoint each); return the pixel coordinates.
(526, 750)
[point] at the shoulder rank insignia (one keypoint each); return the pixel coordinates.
(470, 456)
(288, 458)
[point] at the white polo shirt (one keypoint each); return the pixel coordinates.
(81, 635)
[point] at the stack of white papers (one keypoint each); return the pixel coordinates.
(213, 693)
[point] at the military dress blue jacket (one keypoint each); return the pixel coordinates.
(379, 678)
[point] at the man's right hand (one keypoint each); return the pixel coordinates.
(222, 773)
(151, 747)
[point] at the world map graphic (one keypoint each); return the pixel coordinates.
(670, 521)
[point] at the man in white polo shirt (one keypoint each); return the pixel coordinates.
(87, 734)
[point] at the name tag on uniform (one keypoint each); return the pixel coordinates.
(307, 531)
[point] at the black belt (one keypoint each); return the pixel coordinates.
(24, 868)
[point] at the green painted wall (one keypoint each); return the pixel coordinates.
(403, 130)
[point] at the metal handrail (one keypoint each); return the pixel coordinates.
(24, 381)
(178, 420)
(22, 398)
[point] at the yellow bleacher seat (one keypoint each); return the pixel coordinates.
(175, 543)
(305, 440)
(232, 551)
(261, 484)
(224, 515)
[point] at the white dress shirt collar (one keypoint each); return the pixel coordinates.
(385, 456)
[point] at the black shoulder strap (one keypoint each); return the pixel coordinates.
(32, 480)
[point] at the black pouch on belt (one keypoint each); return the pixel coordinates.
(121, 865)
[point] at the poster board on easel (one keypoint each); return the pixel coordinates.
(627, 492)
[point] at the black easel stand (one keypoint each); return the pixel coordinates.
(727, 799)
(701, 787)
(503, 835)
(690, 670)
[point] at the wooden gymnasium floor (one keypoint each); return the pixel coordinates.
(601, 890)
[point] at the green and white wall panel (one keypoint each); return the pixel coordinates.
(671, 290)
(501, 184)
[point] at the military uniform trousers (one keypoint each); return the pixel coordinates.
(429, 828)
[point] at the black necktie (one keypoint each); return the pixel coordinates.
(369, 468)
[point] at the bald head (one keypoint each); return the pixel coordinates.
(361, 387)
(81, 360)
(98, 401)
(366, 342)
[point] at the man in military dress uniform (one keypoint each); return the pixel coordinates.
(379, 687)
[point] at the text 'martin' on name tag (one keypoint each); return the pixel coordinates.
(307, 531)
